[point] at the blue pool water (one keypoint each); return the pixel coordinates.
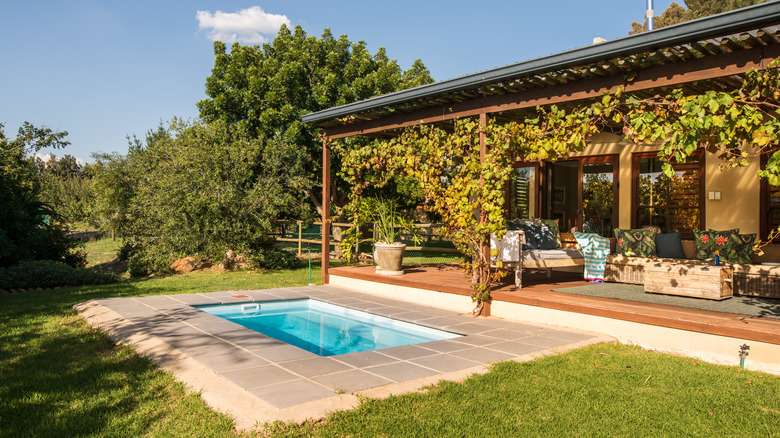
(325, 329)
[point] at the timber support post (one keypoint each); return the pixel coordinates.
(325, 209)
(485, 250)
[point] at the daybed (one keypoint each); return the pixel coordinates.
(515, 258)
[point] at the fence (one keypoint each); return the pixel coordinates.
(433, 248)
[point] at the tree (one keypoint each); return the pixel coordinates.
(197, 190)
(265, 91)
(29, 228)
(68, 187)
(693, 10)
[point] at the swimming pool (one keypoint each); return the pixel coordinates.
(325, 329)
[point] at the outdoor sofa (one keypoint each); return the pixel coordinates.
(753, 279)
(534, 244)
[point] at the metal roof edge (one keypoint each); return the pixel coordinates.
(715, 25)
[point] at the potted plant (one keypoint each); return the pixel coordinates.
(389, 224)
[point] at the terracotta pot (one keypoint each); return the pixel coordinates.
(389, 258)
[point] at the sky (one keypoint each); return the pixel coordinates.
(105, 70)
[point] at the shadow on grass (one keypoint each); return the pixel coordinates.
(60, 377)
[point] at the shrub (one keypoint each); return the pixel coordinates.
(49, 273)
(274, 258)
(143, 261)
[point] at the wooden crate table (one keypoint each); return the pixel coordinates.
(689, 280)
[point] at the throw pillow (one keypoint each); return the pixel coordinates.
(552, 224)
(707, 242)
(531, 231)
(669, 245)
(635, 243)
(738, 249)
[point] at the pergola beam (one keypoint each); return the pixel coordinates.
(692, 70)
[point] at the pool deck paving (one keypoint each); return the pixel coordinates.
(257, 379)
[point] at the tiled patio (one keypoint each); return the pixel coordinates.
(280, 381)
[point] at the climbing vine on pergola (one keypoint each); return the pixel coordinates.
(464, 168)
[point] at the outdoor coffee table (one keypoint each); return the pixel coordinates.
(689, 280)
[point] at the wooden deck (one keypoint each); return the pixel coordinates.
(538, 291)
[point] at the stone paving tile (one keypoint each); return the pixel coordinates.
(351, 381)
(220, 360)
(401, 371)
(415, 317)
(315, 366)
(544, 341)
(250, 339)
(469, 327)
(284, 294)
(284, 353)
(405, 352)
(364, 359)
(259, 376)
(284, 395)
(504, 334)
(446, 346)
(444, 321)
(476, 340)
(483, 355)
(195, 299)
(445, 363)
(515, 348)
(566, 336)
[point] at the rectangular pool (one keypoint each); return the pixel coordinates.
(325, 329)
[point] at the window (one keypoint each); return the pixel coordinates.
(770, 204)
(523, 193)
(671, 203)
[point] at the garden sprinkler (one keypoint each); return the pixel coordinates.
(743, 352)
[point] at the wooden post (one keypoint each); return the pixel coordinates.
(325, 209)
(300, 237)
(483, 121)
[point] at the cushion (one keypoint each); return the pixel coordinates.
(553, 225)
(635, 243)
(739, 249)
(709, 241)
(669, 245)
(539, 234)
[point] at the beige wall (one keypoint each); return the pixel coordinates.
(740, 189)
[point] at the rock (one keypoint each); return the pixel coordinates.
(187, 264)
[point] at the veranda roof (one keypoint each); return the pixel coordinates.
(710, 53)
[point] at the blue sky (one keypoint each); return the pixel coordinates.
(102, 70)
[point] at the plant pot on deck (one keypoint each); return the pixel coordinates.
(389, 257)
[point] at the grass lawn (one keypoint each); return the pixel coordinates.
(59, 377)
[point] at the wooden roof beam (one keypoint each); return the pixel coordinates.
(698, 69)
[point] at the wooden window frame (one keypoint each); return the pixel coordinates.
(635, 157)
(537, 183)
(582, 161)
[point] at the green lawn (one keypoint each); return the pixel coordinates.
(59, 377)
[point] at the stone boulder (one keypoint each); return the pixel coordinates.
(187, 264)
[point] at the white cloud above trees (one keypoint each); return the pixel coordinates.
(250, 25)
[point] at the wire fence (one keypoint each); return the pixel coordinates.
(301, 237)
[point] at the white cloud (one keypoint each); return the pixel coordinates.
(245, 26)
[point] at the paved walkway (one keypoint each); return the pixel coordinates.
(259, 379)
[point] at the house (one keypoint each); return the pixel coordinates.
(612, 183)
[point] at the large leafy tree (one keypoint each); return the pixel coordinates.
(200, 190)
(68, 186)
(693, 9)
(29, 228)
(265, 91)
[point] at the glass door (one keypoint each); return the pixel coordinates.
(582, 194)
